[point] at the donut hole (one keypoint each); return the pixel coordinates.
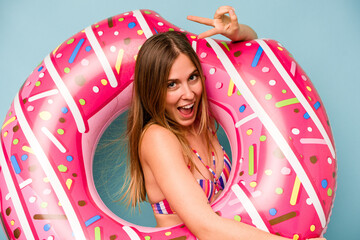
(109, 171)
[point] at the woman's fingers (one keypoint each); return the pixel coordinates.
(208, 33)
(202, 20)
(221, 11)
(233, 19)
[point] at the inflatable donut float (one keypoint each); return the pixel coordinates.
(283, 176)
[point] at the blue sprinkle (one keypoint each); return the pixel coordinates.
(40, 68)
(76, 50)
(88, 48)
(272, 212)
(69, 158)
(64, 110)
(131, 25)
(24, 157)
(257, 57)
(156, 31)
(306, 116)
(15, 164)
(324, 183)
(317, 105)
(92, 220)
(47, 227)
(242, 108)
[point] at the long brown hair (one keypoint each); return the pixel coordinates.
(152, 69)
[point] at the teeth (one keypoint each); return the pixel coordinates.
(188, 106)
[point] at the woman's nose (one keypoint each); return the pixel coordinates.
(187, 92)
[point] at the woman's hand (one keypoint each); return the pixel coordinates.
(225, 25)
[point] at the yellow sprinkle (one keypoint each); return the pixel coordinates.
(44, 204)
(119, 60)
(5, 133)
(296, 237)
(312, 228)
(69, 183)
(46, 180)
(268, 172)
(168, 234)
(252, 82)
(193, 37)
(308, 88)
(140, 32)
(12, 222)
(280, 48)
(104, 82)
(249, 131)
(231, 88)
(27, 149)
(253, 184)
(45, 115)
(295, 191)
(56, 49)
(8, 122)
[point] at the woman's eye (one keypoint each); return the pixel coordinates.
(171, 84)
(193, 77)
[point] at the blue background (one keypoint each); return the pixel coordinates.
(322, 36)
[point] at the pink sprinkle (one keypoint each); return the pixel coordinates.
(30, 108)
(203, 55)
(59, 55)
(265, 69)
(218, 85)
(293, 68)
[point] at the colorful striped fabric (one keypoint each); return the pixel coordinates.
(210, 187)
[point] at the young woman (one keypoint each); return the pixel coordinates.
(175, 155)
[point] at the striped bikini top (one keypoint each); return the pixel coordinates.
(210, 187)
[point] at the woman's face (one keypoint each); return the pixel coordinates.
(184, 91)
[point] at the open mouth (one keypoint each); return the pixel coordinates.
(186, 110)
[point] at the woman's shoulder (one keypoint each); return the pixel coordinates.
(155, 136)
(159, 143)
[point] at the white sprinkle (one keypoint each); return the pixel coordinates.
(329, 160)
(32, 199)
(41, 75)
(85, 62)
(309, 129)
(285, 171)
(212, 71)
(295, 131)
(96, 89)
(100, 33)
(272, 82)
(113, 49)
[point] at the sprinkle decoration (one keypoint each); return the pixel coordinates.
(284, 165)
